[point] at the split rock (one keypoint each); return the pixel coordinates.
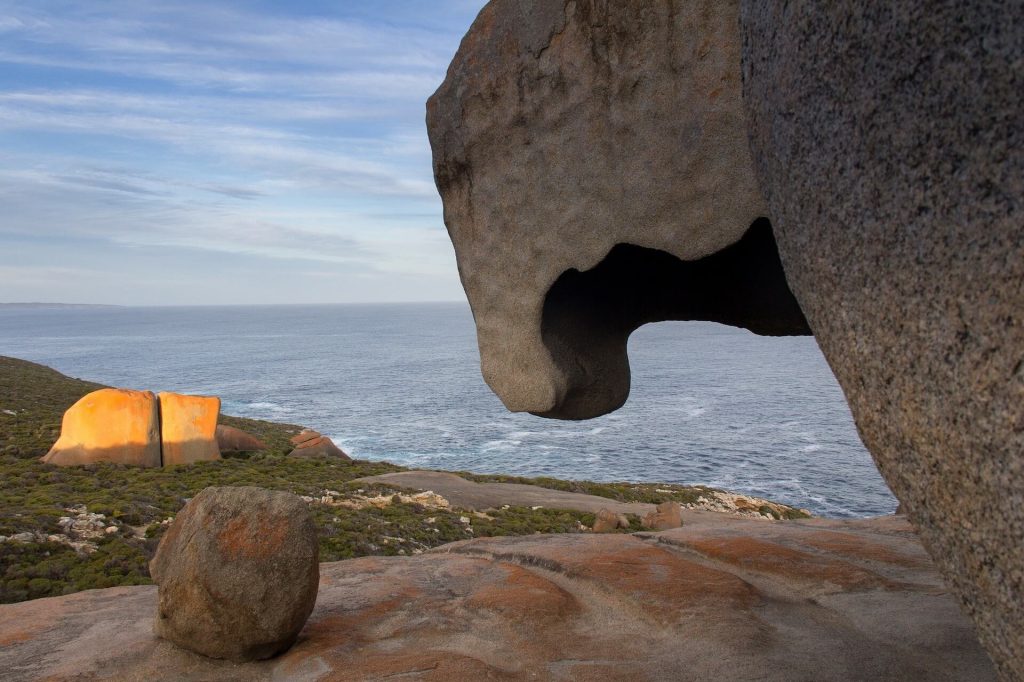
(238, 573)
(188, 428)
(109, 425)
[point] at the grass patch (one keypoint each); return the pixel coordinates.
(34, 496)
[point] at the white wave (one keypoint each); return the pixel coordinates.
(500, 444)
(273, 407)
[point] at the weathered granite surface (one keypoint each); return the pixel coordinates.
(238, 573)
(721, 598)
(889, 140)
(109, 425)
(568, 130)
(188, 428)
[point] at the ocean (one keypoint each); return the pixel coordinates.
(709, 405)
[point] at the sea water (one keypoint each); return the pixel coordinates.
(709, 404)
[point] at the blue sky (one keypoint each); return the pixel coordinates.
(222, 152)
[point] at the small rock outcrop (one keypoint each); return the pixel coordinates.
(188, 428)
(607, 521)
(889, 140)
(311, 444)
(237, 573)
(109, 425)
(590, 156)
(230, 439)
(666, 516)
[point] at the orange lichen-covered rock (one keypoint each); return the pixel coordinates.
(188, 431)
(238, 572)
(109, 425)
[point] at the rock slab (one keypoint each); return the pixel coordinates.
(889, 140)
(237, 573)
(109, 425)
(188, 428)
(722, 598)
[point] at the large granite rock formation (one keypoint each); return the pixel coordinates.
(889, 139)
(722, 598)
(581, 144)
(238, 572)
(109, 425)
(188, 428)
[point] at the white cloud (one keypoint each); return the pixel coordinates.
(207, 128)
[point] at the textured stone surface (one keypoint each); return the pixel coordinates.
(305, 436)
(721, 598)
(230, 439)
(592, 145)
(237, 572)
(317, 446)
(188, 428)
(667, 515)
(606, 521)
(890, 143)
(109, 425)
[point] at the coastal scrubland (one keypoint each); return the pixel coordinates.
(67, 529)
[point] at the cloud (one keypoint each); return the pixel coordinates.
(272, 134)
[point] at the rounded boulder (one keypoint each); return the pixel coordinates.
(238, 573)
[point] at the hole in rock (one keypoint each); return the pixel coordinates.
(589, 315)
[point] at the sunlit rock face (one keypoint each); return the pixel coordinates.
(590, 155)
(109, 425)
(188, 426)
(889, 138)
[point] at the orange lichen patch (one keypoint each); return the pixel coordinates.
(188, 428)
(665, 582)
(442, 666)
(522, 596)
(857, 547)
(25, 621)
(11, 636)
(241, 539)
(109, 425)
(769, 557)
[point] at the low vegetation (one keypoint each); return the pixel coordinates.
(38, 502)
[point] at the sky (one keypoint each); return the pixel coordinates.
(190, 153)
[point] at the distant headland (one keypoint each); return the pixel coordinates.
(36, 304)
